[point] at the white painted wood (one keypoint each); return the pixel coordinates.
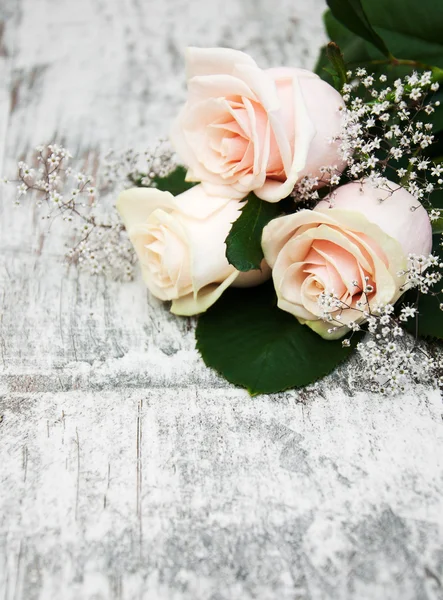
(128, 470)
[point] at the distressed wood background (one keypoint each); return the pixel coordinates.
(127, 469)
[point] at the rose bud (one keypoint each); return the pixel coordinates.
(180, 243)
(247, 129)
(355, 250)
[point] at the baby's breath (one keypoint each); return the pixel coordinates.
(391, 355)
(385, 128)
(384, 135)
(139, 168)
(100, 244)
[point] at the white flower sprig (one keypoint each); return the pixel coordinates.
(99, 243)
(138, 168)
(391, 355)
(385, 135)
(419, 274)
(386, 132)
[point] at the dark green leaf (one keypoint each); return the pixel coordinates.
(352, 14)
(335, 57)
(354, 48)
(437, 226)
(411, 29)
(356, 51)
(243, 244)
(254, 344)
(436, 199)
(174, 182)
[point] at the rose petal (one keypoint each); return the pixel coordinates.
(213, 61)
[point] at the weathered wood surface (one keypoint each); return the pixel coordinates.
(128, 470)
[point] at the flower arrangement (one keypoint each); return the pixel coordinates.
(299, 218)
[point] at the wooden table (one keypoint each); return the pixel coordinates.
(127, 469)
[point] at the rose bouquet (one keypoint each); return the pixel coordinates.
(301, 221)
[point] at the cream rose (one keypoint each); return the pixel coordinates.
(246, 129)
(180, 242)
(368, 233)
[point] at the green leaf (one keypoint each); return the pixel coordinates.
(436, 199)
(335, 57)
(354, 48)
(430, 319)
(322, 67)
(254, 344)
(437, 226)
(356, 51)
(243, 244)
(411, 29)
(174, 182)
(352, 14)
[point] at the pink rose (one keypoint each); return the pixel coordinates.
(246, 129)
(368, 233)
(180, 243)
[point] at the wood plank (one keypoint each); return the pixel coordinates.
(202, 493)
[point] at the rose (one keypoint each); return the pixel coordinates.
(363, 241)
(244, 128)
(180, 244)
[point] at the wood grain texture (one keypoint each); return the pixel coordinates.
(128, 470)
